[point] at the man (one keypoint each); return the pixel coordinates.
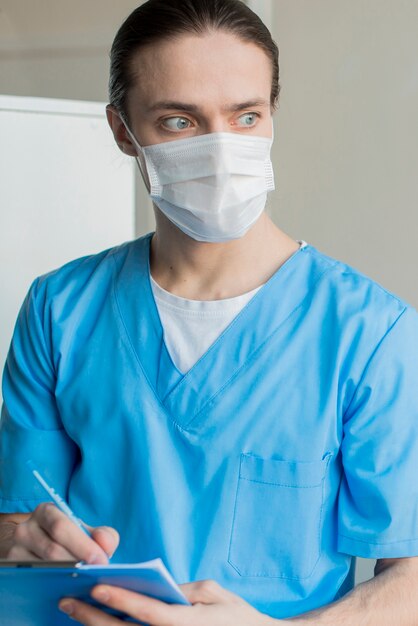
(249, 401)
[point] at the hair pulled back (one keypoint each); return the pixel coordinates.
(161, 20)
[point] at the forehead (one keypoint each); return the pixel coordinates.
(204, 69)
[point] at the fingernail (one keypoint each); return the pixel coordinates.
(101, 593)
(96, 559)
(66, 606)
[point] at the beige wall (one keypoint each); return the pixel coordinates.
(57, 48)
(346, 149)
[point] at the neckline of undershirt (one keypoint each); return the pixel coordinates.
(200, 307)
(174, 302)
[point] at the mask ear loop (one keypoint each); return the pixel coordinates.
(140, 159)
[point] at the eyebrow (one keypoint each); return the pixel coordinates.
(171, 105)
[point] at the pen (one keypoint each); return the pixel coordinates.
(60, 502)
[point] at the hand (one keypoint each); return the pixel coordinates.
(48, 535)
(212, 605)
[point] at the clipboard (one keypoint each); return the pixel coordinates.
(30, 592)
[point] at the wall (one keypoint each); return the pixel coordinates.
(58, 49)
(346, 148)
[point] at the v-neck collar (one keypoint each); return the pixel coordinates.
(184, 396)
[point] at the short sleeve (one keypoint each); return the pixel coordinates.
(30, 426)
(378, 499)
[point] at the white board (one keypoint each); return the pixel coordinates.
(65, 191)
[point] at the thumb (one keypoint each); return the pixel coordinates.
(107, 538)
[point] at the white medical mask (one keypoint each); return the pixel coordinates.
(213, 187)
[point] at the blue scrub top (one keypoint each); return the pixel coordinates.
(289, 447)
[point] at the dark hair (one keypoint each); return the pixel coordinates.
(159, 20)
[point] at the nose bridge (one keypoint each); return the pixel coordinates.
(216, 123)
(218, 126)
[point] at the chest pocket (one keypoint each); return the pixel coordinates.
(277, 517)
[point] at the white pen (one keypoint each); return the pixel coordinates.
(60, 502)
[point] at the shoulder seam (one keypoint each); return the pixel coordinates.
(371, 357)
(335, 263)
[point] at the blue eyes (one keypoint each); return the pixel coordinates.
(248, 119)
(177, 123)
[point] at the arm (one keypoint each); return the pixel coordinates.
(31, 428)
(388, 599)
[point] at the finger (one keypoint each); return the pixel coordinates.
(86, 614)
(143, 608)
(29, 536)
(64, 532)
(207, 592)
(18, 553)
(107, 538)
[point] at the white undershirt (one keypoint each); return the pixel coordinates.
(192, 326)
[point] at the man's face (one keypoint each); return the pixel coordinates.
(194, 85)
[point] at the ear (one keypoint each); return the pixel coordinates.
(119, 131)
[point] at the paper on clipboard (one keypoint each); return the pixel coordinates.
(29, 596)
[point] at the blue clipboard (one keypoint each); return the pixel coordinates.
(29, 593)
